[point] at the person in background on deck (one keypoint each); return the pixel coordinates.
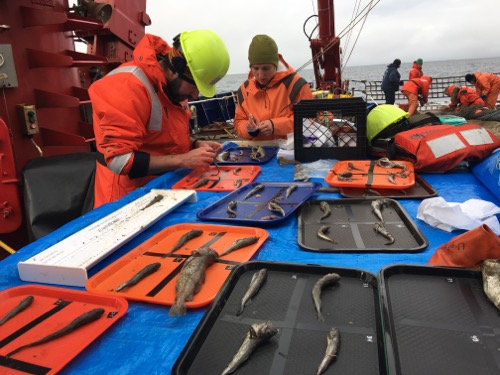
(417, 91)
(265, 100)
(487, 87)
(416, 69)
(391, 81)
(141, 114)
(462, 96)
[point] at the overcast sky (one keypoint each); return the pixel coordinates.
(430, 29)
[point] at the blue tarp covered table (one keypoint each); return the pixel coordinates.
(147, 340)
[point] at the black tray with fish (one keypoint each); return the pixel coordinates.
(349, 225)
(241, 155)
(285, 299)
(438, 320)
(420, 190)
(255, 209)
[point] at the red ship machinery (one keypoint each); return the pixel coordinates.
(45, 111)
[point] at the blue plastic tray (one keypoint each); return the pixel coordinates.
(244, 158)
(253, 209)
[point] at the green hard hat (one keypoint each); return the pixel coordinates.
(207, 59)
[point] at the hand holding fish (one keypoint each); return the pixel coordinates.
(252, 123)
(266, 127)
(216, 146)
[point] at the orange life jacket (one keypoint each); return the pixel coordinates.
(415, 71)
(275, 102)
(133, 116)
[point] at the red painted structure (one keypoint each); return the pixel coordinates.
(44, 105)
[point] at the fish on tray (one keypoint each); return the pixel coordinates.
(332, 347)
(146, 271)
(257, 281)
(193, 233)
(377, 206)
(490, 270)
(379, 228)
(255, 190)
(322, 233)
(23, 305)
(239, 243)
(191, 278)
(257, 334)
(328, 279)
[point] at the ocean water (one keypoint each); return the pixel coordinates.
(356, 74)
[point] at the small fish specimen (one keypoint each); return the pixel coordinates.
(325, 207)
(23, 305)
(255, 190)
(257, 281)
(230, 209)
(322, 231)
(332, 347)
(328, 279)
(379, 228)
(193, 233)
(146, 271)
(239, 243)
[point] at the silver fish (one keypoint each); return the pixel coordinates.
(255, 190)
(201, 183)
(257, 334)
(193, 233)
(258, 279)
(379, 228)
(275, 207)
(384, 163)
(332, 347)
(230, 209)
(21, 306)
(78, 322)
(391, 178)
(317, 288)
(290, 190)
(325, 207)
(146, 271)
(377, 206)
(322, 231)
(239, 243)
(191, 278)
(490, 270)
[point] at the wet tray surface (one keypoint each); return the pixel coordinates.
(420, 190)
(366, 173)
(351, 305)
(241, 155)
(439, 321)
(255, 208)
(51, 309)
(351, 225)
(159, 287)
(228, 179)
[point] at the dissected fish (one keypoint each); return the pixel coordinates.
(322, 231)
(21, 306)
(490, 270)
(325, 207)
(230, 209)
(78, 322)
(239, 243)
(317, 288)
(191, 278)
(290, 190)
(332, 347)
(146, 271)
(193, 233)
(255, 190)
(386, 163)
(377, 206)
(223, 156)
(201, 182)
(275, 207)
(379, 228)
(257, 334)
(258, 279)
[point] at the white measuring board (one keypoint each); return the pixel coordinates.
(67, 262)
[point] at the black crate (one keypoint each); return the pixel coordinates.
(330, 129)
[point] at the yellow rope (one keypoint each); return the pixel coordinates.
(7, 247)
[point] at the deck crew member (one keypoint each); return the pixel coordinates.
(416, 69)
(463, 96)
(140, 111)
(487, 87)
(391, 81)
(417, 91)
(265, 99)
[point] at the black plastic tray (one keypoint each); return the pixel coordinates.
(244, 158)
(285, 299)
(351, 225)
(420, 190)
(252, 210)
(438, 320)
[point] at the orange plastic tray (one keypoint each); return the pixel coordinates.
(367, 174)
(226, 180)
(52, 309)
(159, 287)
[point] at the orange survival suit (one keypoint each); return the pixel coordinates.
(133, 119)
(416, 90)
(274, 102)
(488, 86)
(415, 71)
(466, 97)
